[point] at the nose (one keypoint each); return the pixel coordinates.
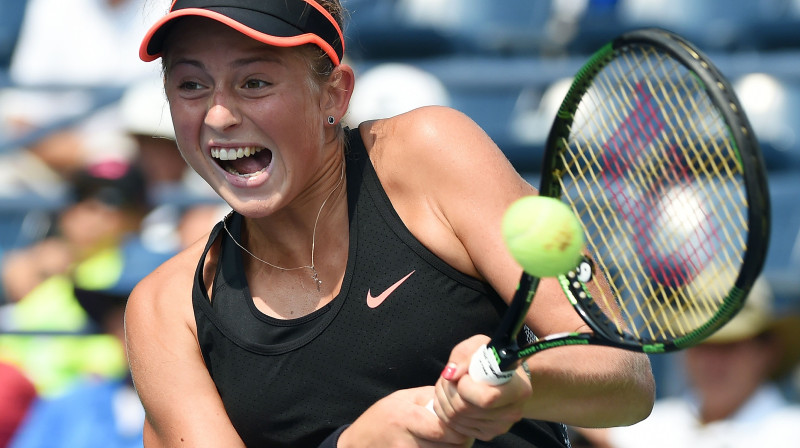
(222, 113)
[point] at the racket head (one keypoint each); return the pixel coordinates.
(653, 152)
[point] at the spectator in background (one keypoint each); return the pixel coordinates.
(59, 106)
(108, 206)
(60, 98)
(734, 400)
(106, 215)
(17, 393)
(97, 412)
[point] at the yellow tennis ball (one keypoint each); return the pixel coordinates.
(543, 235)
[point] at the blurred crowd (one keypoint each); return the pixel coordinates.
(89, 140)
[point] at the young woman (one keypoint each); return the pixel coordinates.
(352, 264)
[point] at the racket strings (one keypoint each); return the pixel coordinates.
(708, 306)
(630, 140)
(653, 172)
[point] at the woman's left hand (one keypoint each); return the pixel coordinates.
(473, 408)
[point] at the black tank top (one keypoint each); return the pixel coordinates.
(290, 383)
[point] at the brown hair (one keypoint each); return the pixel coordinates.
(321, 65)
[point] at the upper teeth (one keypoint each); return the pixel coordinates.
(234, 153)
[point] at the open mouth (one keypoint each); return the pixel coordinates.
(247, 161)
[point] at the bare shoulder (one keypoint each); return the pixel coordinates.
(162, 300)
(438, 149)
(426, 132)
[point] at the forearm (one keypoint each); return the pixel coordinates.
(590, 386)
(197, 428)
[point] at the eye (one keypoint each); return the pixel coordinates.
(190, 89)
(190, 86)
(255, 84)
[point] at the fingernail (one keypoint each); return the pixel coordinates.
(449, 371)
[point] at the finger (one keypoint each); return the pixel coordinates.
(430, 431)
(452, 405)
(485, 430)
(470, 419)
(462, 353)
(429, 427)
(486, 396)
(469, 393)
(442, 405)
(446, 388)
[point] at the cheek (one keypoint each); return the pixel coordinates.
(185, 120)
(293, 121)
(187, 123)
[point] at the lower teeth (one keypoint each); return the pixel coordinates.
(246, 176)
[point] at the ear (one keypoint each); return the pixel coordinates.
(335, 98)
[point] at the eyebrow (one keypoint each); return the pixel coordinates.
(186, 61)
(271, 59)
(238, 63)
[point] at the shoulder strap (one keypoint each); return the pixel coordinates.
(199, 284)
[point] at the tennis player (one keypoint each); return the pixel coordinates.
(327, 304)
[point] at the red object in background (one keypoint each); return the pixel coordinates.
(17, 394)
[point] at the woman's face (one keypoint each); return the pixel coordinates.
(246, 116)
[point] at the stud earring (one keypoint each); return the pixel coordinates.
(331, 120)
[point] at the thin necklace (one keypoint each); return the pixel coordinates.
(314, 274)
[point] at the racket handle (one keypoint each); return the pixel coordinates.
(484, 367)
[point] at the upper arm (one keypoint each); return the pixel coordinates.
(178, 394)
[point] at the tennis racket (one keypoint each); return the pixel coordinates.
(654, 154)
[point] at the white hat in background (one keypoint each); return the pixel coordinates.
(391, 89)
(145, 110)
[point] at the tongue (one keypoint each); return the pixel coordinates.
(252, 164)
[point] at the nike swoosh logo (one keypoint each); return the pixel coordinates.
(374, 302)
